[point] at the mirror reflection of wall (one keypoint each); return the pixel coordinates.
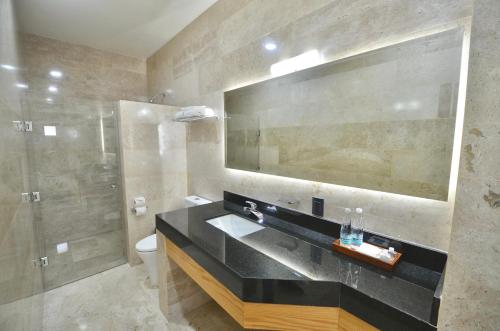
(382, 120)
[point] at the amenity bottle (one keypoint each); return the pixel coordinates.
(345, 229)
(357, 228)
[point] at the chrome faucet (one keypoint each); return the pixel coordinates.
(253, 210)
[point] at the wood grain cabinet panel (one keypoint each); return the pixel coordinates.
(290, 317)
(263, 316)
(225, 298)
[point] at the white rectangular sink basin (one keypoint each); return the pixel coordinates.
(235, 226)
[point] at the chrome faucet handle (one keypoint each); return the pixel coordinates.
(252, 204)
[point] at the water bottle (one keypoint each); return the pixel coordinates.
(357, 228)
(345, 229)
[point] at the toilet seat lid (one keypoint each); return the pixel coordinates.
(147, 244)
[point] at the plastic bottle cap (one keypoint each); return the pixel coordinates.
(347, 210)
(359, 210)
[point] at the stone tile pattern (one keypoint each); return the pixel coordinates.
(18, 245)
(471, 297)
(23, 314)
(77, 171)
(381, 120)
(153, 149)
(222, 49)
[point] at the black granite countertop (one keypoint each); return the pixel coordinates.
(288, 264)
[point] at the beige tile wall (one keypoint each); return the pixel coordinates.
(153, 149)
(471, 298)
(222, 49)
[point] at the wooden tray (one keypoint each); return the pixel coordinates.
(384, 264)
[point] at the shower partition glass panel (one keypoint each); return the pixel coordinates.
(21, 301)
(74, 159)
(76, 171)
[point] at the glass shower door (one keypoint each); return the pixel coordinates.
(21, 298)
(74, 158)
(75, 167)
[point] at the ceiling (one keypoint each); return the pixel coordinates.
(129, 27)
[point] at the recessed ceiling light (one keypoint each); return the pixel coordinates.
(49, 100)
(270, 46)
(56, 73)
(8, 67)
(22, 85)
(53, 89)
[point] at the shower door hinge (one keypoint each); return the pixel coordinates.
(41, 262)
(44, 261)
(23, 126)
(30, 196)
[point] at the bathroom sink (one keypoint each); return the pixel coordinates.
(234, 225)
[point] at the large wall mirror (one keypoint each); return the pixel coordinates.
(382, 120)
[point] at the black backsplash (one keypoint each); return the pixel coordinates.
(414, 254)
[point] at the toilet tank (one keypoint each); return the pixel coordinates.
(194, 200)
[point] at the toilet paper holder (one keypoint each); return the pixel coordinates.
(139, 202)
(139, 211)
(139, 208)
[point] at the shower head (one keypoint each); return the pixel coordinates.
(153, 98)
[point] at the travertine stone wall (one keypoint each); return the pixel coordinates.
(223, 49)
(153, 149)
(471, 297)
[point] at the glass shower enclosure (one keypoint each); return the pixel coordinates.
(60, 197)
(74, 165)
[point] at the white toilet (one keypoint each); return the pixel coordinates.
(146, 248)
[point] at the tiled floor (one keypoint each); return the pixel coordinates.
(22, 315)
(121, 299)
